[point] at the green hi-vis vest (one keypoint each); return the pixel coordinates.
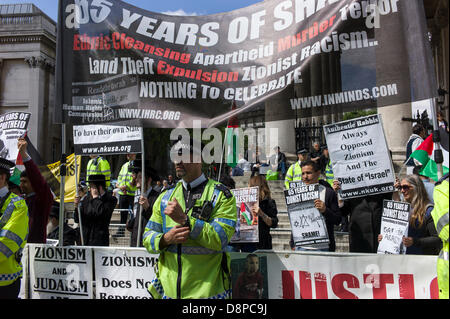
(125, 178)
(293, 174)
(440, 218)
(13, 237)
(195, 269)
(97, 166)
(329, 175)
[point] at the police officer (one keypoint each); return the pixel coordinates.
(13, 235)
(98, 165)
(190, 228)
(440, 218)
(326, 162)
(294, 172)
(126, 191)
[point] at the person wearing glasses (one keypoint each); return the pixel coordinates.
(422, 236)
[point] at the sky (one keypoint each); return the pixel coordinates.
(173, 7)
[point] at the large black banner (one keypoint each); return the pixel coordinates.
(117, 62)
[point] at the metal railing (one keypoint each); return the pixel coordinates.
(119, 236)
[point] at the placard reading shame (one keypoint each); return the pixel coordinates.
(308, 225)
(360, 157)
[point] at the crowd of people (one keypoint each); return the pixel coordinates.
(190, 221)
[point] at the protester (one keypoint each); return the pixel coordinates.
(364, 220)
(422, 237)
(146, 201)
(158, 187)
(13, 235)
(126, 192)
(38, 196)
(249, 284)
(416, 138)
(258, 160)
(165, 185)
(316, 152)
(294, 172)
(325, 164)
(99, 165)
(326, 204)
(241, 167)
(441, 121)
(440, 219)
(266, 210)
(96, 210)
(82, 189)
(228, 181)
(171, 181)
(70, 235)
(281, 162)
(190, 227)
(429, 186)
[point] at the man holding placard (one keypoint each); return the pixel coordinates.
(326, 204)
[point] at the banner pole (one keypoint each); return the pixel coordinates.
(138, 239)
(62, 171)
(78, 206)
(223, 147)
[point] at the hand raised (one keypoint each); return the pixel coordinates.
(174, 211)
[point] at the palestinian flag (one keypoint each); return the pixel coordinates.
(425, 155)
(232, 139)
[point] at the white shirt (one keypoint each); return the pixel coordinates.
(195, 182)
(3, 191)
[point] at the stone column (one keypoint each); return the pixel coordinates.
(36, 85)
(397, 131)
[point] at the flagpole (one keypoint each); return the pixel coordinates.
(223, 146)
(438, 156)
(62, 171)
(223, 151)
(78, 206)
(138, 236)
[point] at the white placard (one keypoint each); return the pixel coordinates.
(313, 275)
(123, 273)
(60, 272)
(308, 224)
(12, 126)
(394, 225)
(106, 139)
(360, 157)
(247, 225)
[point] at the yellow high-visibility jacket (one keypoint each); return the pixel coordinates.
(440, 218)
(193, 270)
(13, 238)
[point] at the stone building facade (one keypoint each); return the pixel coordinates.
(27, 81)
(27, 73)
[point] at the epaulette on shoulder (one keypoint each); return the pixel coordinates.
(224, 189)
(445, 177)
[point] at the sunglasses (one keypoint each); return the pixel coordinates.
(404, 187)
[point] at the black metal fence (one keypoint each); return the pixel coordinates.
(308, 132)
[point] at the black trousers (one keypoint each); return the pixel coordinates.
(125, 202)
(11, 291)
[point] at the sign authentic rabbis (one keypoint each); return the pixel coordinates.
(166, 71)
